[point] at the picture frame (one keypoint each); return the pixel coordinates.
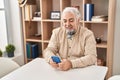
(55, 15)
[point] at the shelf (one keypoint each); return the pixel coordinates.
(35, 20)
(50, 20)
(34, 39)
(104, 22)
(46, 41)
(102, 45)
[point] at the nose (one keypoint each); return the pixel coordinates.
(67, 24)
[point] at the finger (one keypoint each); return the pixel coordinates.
(64, 60)
(54, 65)
(60, 66)
(51, 61)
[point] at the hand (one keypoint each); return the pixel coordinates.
(65, 65)
(53, 64)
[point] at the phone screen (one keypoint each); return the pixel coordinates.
(56, 59)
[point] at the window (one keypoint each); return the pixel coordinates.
(3, 27)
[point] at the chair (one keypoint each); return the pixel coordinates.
(6, 66)
(116, 77)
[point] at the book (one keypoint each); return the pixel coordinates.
(28, 50)
(99, 18)
(32, 50)
(36, 18)
(89, 11)
(33, 8)
(27, 12)
(35, 50)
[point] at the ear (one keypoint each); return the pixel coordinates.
(78, 20)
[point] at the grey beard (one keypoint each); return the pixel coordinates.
(70, 33)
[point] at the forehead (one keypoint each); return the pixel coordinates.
(68, 15)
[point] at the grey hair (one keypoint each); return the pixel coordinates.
(73, 10)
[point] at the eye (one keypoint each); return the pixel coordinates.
(64, 20)
(71, 20)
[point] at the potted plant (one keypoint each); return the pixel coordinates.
(0, 53)
(10, 48)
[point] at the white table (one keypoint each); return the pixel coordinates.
(38, 69)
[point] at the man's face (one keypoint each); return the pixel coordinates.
(69, 21)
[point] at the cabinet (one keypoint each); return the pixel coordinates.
(44, 25)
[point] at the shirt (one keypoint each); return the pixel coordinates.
(80, 50)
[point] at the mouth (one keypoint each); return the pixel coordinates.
(69, 27)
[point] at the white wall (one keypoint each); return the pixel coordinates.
(3, 27)
(15, 28)
(3, 31)
(116, 56)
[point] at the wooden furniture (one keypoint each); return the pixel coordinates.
(39, 69)
(44, 25)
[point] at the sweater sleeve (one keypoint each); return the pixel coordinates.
(90, 55)
(52, 47)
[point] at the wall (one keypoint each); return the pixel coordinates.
(116, 55)
(15, 28)
(3, 30)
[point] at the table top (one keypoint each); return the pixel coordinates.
(39, 69)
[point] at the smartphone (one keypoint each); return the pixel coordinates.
(56, 59)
